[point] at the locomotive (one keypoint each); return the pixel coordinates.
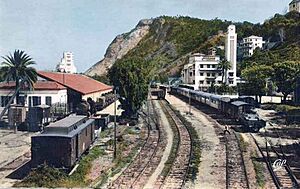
(236, 108)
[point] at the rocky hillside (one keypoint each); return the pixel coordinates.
(120, 46)
(165, 40)
(168, 41)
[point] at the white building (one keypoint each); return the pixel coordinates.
(231, 54)
(249, 44)
(67, 64)
(202, 71)
(294, 6)
(44, 93)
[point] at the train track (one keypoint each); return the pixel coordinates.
(236, 174)
(177, 174)
(148, 158)
(283, 177)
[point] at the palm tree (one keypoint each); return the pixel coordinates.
(17, 68)
(224, 65)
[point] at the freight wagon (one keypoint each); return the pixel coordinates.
(63, 142)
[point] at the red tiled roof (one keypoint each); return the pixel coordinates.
(39, 85)
(77, 82)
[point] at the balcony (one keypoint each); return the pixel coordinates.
(211, 77)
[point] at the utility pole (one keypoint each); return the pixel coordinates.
(148, 104)
(190, 102)
(115, 124)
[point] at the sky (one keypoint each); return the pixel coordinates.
(44, 29)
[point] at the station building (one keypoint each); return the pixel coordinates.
(56, 88)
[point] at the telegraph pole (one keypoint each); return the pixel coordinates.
(115, 124)
(190, 102)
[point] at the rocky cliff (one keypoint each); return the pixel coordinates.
(120, 46)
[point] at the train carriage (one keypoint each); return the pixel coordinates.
(235, 108)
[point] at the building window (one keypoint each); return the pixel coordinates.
(191, 73)
(208, 82)
(201, 74)
(213, 74)
(36, 100)
(30, 101)
(4, 100)
(48, 100)
(201, 82)
(208, 74)
(219, 82)
(230, 82)
(220, 74)
(193, 81)
(22, 100)
(201, 66)
(231, 74)
(213, 66)
(208, 66)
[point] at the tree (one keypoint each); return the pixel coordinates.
(285, 76)
(224, 65)
(17, 68)
(256, 80)
(131, 76)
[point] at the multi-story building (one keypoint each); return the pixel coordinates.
(66, 64)
(294, 6)
(231, 55)
(249, 44)
(202, 71)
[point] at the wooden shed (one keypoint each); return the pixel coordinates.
(62, 143)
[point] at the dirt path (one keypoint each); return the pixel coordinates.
(164, 122)
(212, 167)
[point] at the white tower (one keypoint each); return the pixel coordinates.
(231, 54)
(67, 63)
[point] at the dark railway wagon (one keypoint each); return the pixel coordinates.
(160, 93)
(62, 143)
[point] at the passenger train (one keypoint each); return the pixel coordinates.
(234, 107)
